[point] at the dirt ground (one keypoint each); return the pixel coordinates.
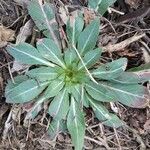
(131, 31)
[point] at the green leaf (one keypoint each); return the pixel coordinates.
(88, 38)
(43, 73)
(94, 4)
(70, 57)
(111, 70)
(133, 95)
(90, 58)
(98, 92)
(56, 126)
(100, 5)
(114, 121)
(74, 28)
(27, 54)
(17, 80)
(75, 90)
(103, 114)
(59, 107)
(85, 99)
(54, 88)
(33, 112)
(44, 18)
(25, 91)
(132, 78)
(76, 125)
(144, 67)
(49, 50)
(104, 5)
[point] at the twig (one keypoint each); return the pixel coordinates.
(123, 44)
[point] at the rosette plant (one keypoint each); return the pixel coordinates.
(69, 79)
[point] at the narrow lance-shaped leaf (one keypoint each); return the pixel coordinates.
(49, 50)
(44, 18)
(142, 68)
(76, 125)
(100, 5)
(132, 78)
(94, 4)
(27, 54)
(133, 95)
(43, 73)
(53, 88)
(90, 58)
(111, 70)
(17, 81)
(74, 28)
(56, 126)
(59, 106)
(70, 57)
(104, 5)
(98, 92)
(103, 114)
(25, 91)
(88, 38)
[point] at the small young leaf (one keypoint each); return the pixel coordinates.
(59, 107)
(54, 87)
(88, 38)
(70, 57)
(111, 70)
(49, 50)
(76, 125)
(74, 28)
(132, 78)
(133, 95)
(43, 73)
(25, 91)
(44, 18)
(56, 126)
(27, 54)
(90, 58)
(98, 92)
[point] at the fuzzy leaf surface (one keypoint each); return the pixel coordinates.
(56, 126)
(132, 78)
(76, 125)
(25, 91)
(27, 54)
(59, 106)
(43, 73)
(49, 50)
(111, 70)
(90, 58)
(53, 88)
(44, 18)
(98, 92)
(88, 37)
(132, 95)
(103, 114)
(74, 28)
